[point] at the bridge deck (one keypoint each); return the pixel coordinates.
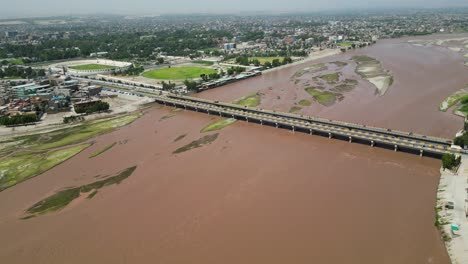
(352, 132)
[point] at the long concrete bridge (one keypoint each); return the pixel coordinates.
(374, 136)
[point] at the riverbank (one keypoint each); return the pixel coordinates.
(453, 189)
(314, 56)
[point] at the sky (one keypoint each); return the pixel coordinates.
(25, 8)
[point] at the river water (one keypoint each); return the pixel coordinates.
(256, 194)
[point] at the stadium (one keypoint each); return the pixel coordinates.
(92, 67)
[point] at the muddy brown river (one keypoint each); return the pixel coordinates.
(256, 194)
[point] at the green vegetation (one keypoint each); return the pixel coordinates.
(345, 44)
(14, 72)
(305, 102)
(250, 100)
(18, 119)
(339, 63)
(180, 137)
(344, 88)
(351, 81)
(294, 109)
(331, 78)
(364, 59)
(450, 161)
(322, 97)
(167, 116)
(17, 61)
(266, 61)
(61, 199)
(21, 166)
(217, 125)
(91, 67)
(235, 69)
(462, 140)
(99, 152)
(299, 73)
(97, 107)
(459, 96)
(72, 119)
(208, 139)
(178, 73)
(203, 62)
(67, 136)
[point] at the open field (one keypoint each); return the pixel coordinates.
(91, 67)
(24, 165)
(73, 135)
(27, 156)
(220, 124)
(250, 100)
(345, 44)
(177, 73)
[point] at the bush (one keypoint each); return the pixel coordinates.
(461, 141)
(71, 119)
(97, 107)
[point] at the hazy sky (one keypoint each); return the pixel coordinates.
(20, 8)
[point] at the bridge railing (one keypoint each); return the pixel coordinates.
(390, 132)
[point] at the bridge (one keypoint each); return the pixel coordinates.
(374, 136)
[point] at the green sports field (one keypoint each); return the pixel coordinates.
(91, 67)
(178, 73)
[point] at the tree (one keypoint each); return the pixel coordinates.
(275, 63)
(287, 60)
(267, 64)
(191, 85)
(160, 60)
(449, 161)
(168, 86)
(255, 62)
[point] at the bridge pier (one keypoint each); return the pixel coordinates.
(233, 116)
(196, 109)
(261, 122)
(247, 119)
(329, 135)
(293, 129)
(421, 152)
(185, 106)
(350, 139)
(396, 147)
(220, 114)
(208, 111)
(276, 125)
(311, 131)
(372, 143)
